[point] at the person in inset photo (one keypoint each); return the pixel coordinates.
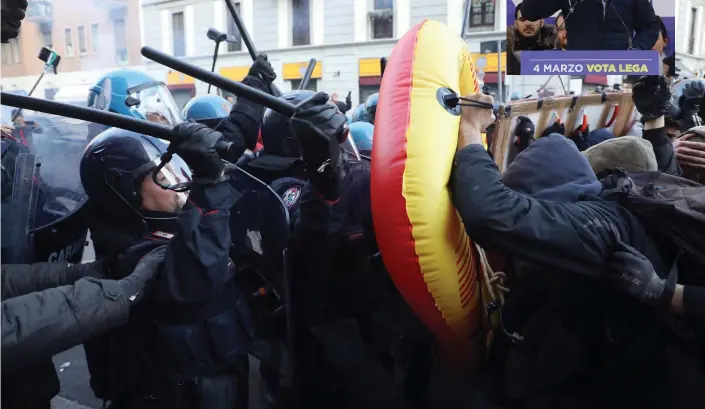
(561, 33)
(601, 25)
(527, 35)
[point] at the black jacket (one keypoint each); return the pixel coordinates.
(544, 209)
(194, 284)
(45, 310)
(43, 313)
(580, 336)
(242, 125)
(589, 30)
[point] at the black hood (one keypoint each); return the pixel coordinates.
(552, 168)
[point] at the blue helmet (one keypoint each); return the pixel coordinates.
(208, 110)
(371, 107)
(114, 167)
(359, 114)
(134, 93)
(361, 133)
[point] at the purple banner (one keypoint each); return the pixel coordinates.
(583, 63)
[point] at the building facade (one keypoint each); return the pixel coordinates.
(91, 36)
(346, 37)
(690, 36)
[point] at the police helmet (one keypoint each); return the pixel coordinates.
(136, 94)
(209, 110)
(371, 107)
(361, 133)
(114, 166)
(277, 137)
(359, 114)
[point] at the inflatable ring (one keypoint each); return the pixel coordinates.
(421, 238)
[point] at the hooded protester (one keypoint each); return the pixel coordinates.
(560, 235)
(342, 106)
(601, 25)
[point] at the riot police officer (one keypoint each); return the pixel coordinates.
(187, 347)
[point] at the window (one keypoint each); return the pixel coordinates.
(234, 37)
(311, 86)
(383, 19)
(691, 36)
(179, 35)
(121, 57)
(301, 22)
(481, 15)
(15, 50)
(6, 54)
(81, 32)
(95, 38)
(11, 52)
(68, 40)
(46, 28)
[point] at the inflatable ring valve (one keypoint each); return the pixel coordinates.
(421, 238)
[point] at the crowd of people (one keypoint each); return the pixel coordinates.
(625, 25)
(251, 234)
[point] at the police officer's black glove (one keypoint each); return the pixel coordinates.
(13, 12)
(579, 137)
(556, 127)
(690, 102)
(197, 144)
(135, 285)
(524, 133)
(320, 128)
(652, 96)
(263, 69)
(634, 274)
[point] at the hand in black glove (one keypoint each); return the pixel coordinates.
(579, 137)
(524, 133)
(348, 98)
(263, 69)
(556, 127)
(690, 104)
(13, 12)
(635, 275)
(652, 96)
(197, 145)
(320, 128)
(693, 93)
(135, 285)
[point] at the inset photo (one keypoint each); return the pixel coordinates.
(597, 37)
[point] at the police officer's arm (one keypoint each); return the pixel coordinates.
(20, 279)
(646, 26)
(38, 325)
(196, 262)
(242, 126)
(538, 9)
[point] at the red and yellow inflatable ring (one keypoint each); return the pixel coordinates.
(421, 237)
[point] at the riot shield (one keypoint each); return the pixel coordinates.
(60, 226)
(260, 233)
(18, 207)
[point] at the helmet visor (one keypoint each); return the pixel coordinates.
(156, 105)
(174, 173)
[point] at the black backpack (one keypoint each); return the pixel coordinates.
(671, 208)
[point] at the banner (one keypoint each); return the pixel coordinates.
(662, 8)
